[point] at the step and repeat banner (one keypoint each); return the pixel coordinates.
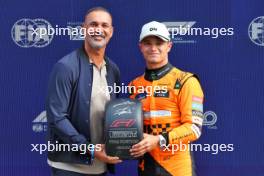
(221, 41)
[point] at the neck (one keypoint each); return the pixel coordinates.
(96, 55)
(156, 74)
(152, 66)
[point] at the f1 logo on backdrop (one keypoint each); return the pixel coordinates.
(256, 31)
(179, 25)
(24, 33)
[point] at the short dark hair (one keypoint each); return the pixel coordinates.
(98, 8)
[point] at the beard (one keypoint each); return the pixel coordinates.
(96, 44)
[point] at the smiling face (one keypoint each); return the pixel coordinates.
(155, 51)
(101, 23)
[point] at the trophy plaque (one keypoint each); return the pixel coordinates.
(123, 127)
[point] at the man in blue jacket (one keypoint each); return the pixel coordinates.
(76, 102)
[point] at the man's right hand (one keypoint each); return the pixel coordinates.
(101, 155)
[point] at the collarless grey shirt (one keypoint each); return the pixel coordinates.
(99, 97)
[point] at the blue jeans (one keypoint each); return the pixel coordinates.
(60, 172)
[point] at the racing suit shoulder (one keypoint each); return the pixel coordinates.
(180, 77)
(135, 84)
(137, 80)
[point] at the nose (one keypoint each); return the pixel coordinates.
(98, 30)
(153, 48)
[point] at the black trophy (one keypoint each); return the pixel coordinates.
(123, 127)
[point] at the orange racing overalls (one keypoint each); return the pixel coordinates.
(172, 103)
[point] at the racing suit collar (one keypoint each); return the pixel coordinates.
(155, 74)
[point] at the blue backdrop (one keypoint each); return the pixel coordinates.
(230, 68)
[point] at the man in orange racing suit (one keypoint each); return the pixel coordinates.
(172, 103)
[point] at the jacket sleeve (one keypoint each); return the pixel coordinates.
(57, 105)
(190, 100)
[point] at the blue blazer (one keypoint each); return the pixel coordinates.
(68, 103)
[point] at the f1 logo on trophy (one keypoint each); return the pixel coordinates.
(123, 127)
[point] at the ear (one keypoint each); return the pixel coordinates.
(169, 46)
(83, 24)
(112, 31)
(140, 46)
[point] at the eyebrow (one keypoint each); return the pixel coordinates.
(96, 22)
(157, 40)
